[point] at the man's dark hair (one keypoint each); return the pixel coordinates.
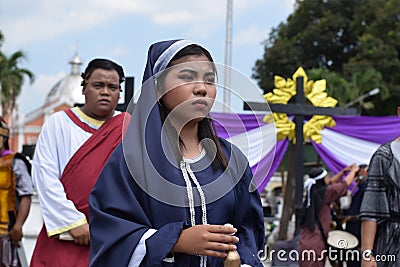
(105, 64)
(363, 166)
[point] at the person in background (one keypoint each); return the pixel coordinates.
(321, 191)
(72, 148)
(169, 188)
(16, 189)
(351, 216)
(380, 208)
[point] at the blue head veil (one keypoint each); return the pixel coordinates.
(148, 153)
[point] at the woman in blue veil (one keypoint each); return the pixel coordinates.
(169, 189)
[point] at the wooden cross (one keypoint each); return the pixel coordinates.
(299, 109)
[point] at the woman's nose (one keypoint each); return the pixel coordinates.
(200, 88)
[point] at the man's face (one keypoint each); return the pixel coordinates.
(102, 92)
(363, 172)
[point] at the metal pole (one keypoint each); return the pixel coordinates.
(228, 48)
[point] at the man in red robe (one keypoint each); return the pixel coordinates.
(72, 149)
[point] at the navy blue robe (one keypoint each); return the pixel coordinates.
(119, 220)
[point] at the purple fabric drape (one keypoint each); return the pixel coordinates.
(329, 159)
(264, 170)
(229, 124)
(379, 130)
(375, 129)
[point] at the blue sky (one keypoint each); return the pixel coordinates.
(51, 31)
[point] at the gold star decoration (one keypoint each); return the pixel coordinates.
(315, 92)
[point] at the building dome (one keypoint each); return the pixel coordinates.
(69, 88)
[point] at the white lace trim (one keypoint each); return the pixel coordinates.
(187, 176)
(197, 158)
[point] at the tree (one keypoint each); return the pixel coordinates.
(359, 83)
(353, 44)
(341, 37)
(11, 79)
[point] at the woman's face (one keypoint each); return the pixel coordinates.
(188, 88)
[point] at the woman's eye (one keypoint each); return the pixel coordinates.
(186, 78)
(210, 80)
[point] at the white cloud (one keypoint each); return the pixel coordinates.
(54, 19)
(45, 30)
(39, 21)
(250, 36)
(118, 51)
(28, 99)
(35, 21)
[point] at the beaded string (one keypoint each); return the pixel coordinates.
(187, 175)
(189, 193)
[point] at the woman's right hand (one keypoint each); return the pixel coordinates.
(206, 240)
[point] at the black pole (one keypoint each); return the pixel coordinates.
(129, 88)
(299, 119)
(299, 152)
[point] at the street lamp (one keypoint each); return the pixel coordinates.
(374, 91)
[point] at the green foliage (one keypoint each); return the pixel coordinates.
(353, 44)
(11, 78)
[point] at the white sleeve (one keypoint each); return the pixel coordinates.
(140, 250)
(24, 180)
(52, 153)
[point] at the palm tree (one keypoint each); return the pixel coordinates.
(11, 80)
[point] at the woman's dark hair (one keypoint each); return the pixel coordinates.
(314, 173)
(190, 50)
(206, 127)
(105, 64)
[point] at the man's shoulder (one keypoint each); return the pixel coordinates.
(23, 160)
(384, 150)
(56, 117)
